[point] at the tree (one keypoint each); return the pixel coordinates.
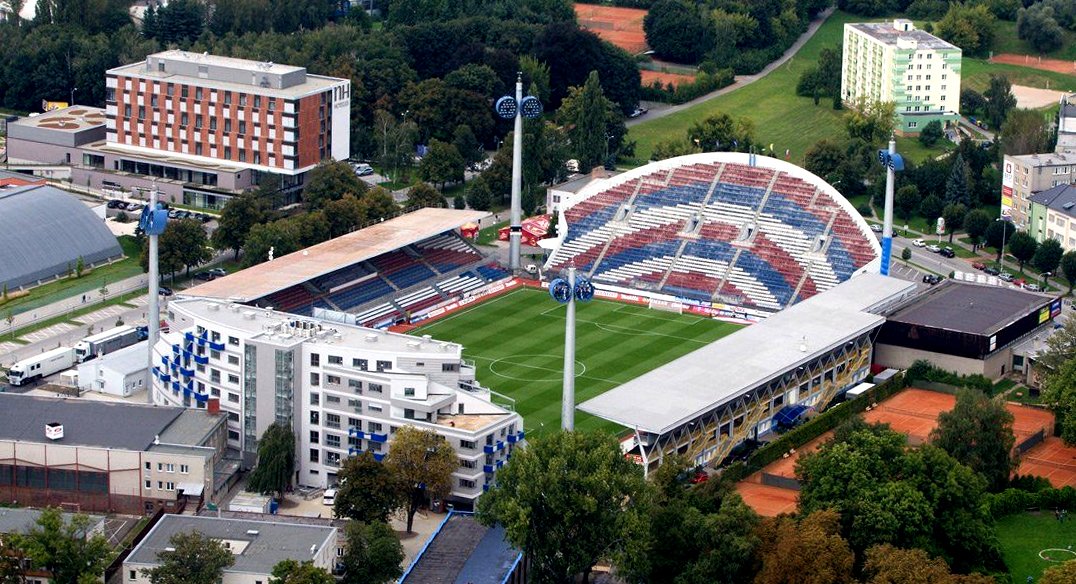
(373, 554)
(931, 133)
(1068, 268)
(906, 254)
(977, 432)
(65, 549)
(238, 216)
(344, 215)
(567, 486)
(823, 158)
(891, 565)
(968, 27)
(442, 164)
(1047, 257)
(1060, 574)
(193, 559)
(956, 186)
(953, 214)
(1026, 132)
(907, 200)
(276, 460)
(80, 266)
(722, 132)
(423, 195)
(1059, 385)
(931, 208)
(999, 100)
(330, 181)
(380, 205)
(870, 121)
(1036, 25)
(592, 122)
(673, 148)
(976, 223)
(998, 233)
(1022, 247)
(677, 32)
(281, 237)
(12, 558)
(423, 463)
(468, 146)
(368, 491)
(810, 550)
(183, 244)
(478, 195)
(292, 572)
(971, 101)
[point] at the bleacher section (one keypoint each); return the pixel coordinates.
(717, 231)
(383, 289)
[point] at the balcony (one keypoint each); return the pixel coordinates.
(216, 346)
(201, 359)
(488, 449)
(488, 468)
(379, 437)
(356, 433)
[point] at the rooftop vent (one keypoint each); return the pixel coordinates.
(371, 338)
(249, 314)
(169, 549)
(214, 307)
(414, 345)
(54, 430)
(252, 532)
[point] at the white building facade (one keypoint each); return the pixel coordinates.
(344, 389)
(894, 62)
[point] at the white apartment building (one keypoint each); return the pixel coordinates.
(1023, 176)
(894, 62)
(344, 389)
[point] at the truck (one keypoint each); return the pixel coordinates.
(107, 342)
(42, 365)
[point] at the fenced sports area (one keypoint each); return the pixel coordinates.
(517, 341)
(621, 26)
(1054, 461)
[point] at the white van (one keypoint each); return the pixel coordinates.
(329, 498)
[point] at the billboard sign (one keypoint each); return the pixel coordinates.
(1007, 182)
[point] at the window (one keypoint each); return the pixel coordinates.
(315, 379)
(149, 484)
(233, 435)
(359, 364)
(242, 100)
(315, 437)
(184, 469)
(198, 92)
(336, 360)
(409, 392)
(332, 421)
(213, 124)
(160, 467)
(257, 101)
(214, 375)
(227, 124)
(332, 399)
(233, 341)
(227, 98)
(467, 444)
(242, 127)
(228, 152)
(233, 359)
(315, 418)
(355, 384)
(214, 392)
(374, 387)
(153, 101)
(149, 465)
(232, 378)
(384, 365)
(184, 92)
(450, 367)
(466, 483)
(233, 397)
(332, 441)
(272, 106)
(315, 455)
(315, 399)
(373, 408)
(142, 114)
(468, 463)
(913, 124)
(315, 360)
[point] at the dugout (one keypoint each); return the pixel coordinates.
(963, 327)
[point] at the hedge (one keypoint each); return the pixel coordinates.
(926, 371)
(813, 428)
(704, 83)
(1013, 500)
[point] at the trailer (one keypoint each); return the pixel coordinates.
(42, 365)
(107, 342)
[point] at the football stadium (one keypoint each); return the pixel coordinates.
(683, 252)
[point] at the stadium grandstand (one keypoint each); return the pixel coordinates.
(723, 227)
(705, 403)
(383, 274)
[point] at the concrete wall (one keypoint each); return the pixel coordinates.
(994, 367)
(20, 150)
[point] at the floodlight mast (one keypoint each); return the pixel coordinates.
(892, 163)
(567, 403)
(154, 314)
(516, 231)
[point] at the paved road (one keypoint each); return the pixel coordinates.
(741, 80)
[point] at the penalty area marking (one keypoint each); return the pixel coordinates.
(508, 361)
(1049, 554)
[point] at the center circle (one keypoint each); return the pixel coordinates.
(1057, 555)
(537, 367)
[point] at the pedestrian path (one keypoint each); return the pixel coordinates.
(107, 313)
(8, 346)
(49, 332)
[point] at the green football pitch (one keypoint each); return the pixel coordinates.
(1032, 542)
(517, 344)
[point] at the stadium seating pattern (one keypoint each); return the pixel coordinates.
(741, 234)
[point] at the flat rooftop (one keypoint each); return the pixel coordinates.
(165, 156)
(278, 325)
(273, 542)
(463, 551)
(706, 378)
(968, 308)
(21, 520)
(886, 33)
(1046, 159)
(117, 425)
(126, 361)
(68, 119)
(326, 257)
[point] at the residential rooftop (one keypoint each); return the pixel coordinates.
(964, 307)
(1061, 198)
(68, 119)
(888, 33)
(257, 545)
(463, 551)
(340, 252)
(1046, 158)
(126, 361)
(21, 520)
(727, 368)
(102, 424)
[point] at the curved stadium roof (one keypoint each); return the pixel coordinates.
(43, 230)
(719, 226)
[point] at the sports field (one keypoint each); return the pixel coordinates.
(1032, 542)
(517, 344)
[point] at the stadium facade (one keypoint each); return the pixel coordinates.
(723, 232)
(705, 403)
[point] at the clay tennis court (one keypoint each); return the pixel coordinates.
(676, 79)
(767, 501)
(1056, 65)
(621, 26)
(1052, 460)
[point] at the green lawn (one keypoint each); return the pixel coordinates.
(488, 235)
(66, 288)
(975, 74)
(1023, 536)
(1006, 41)
(517, 340)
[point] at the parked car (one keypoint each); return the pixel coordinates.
(218, 272)
(978, 265)
(116, 204)
(931, 279)
(204, 276)
(173, 214)
(947, 252)
(363, 169)
(134, 206)
(1006, 276)
(638, 111)
(164, 291)
(1033, 287)
(329, 498)
(919, 243)
(991, 271)
(933, 248)
(876, 228)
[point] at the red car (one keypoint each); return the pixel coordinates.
(700, 477)
(978, 265)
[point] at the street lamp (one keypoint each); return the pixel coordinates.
(516, 108)
(1004, 232)
(892, 162)
(73, 90)
(567, 292)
